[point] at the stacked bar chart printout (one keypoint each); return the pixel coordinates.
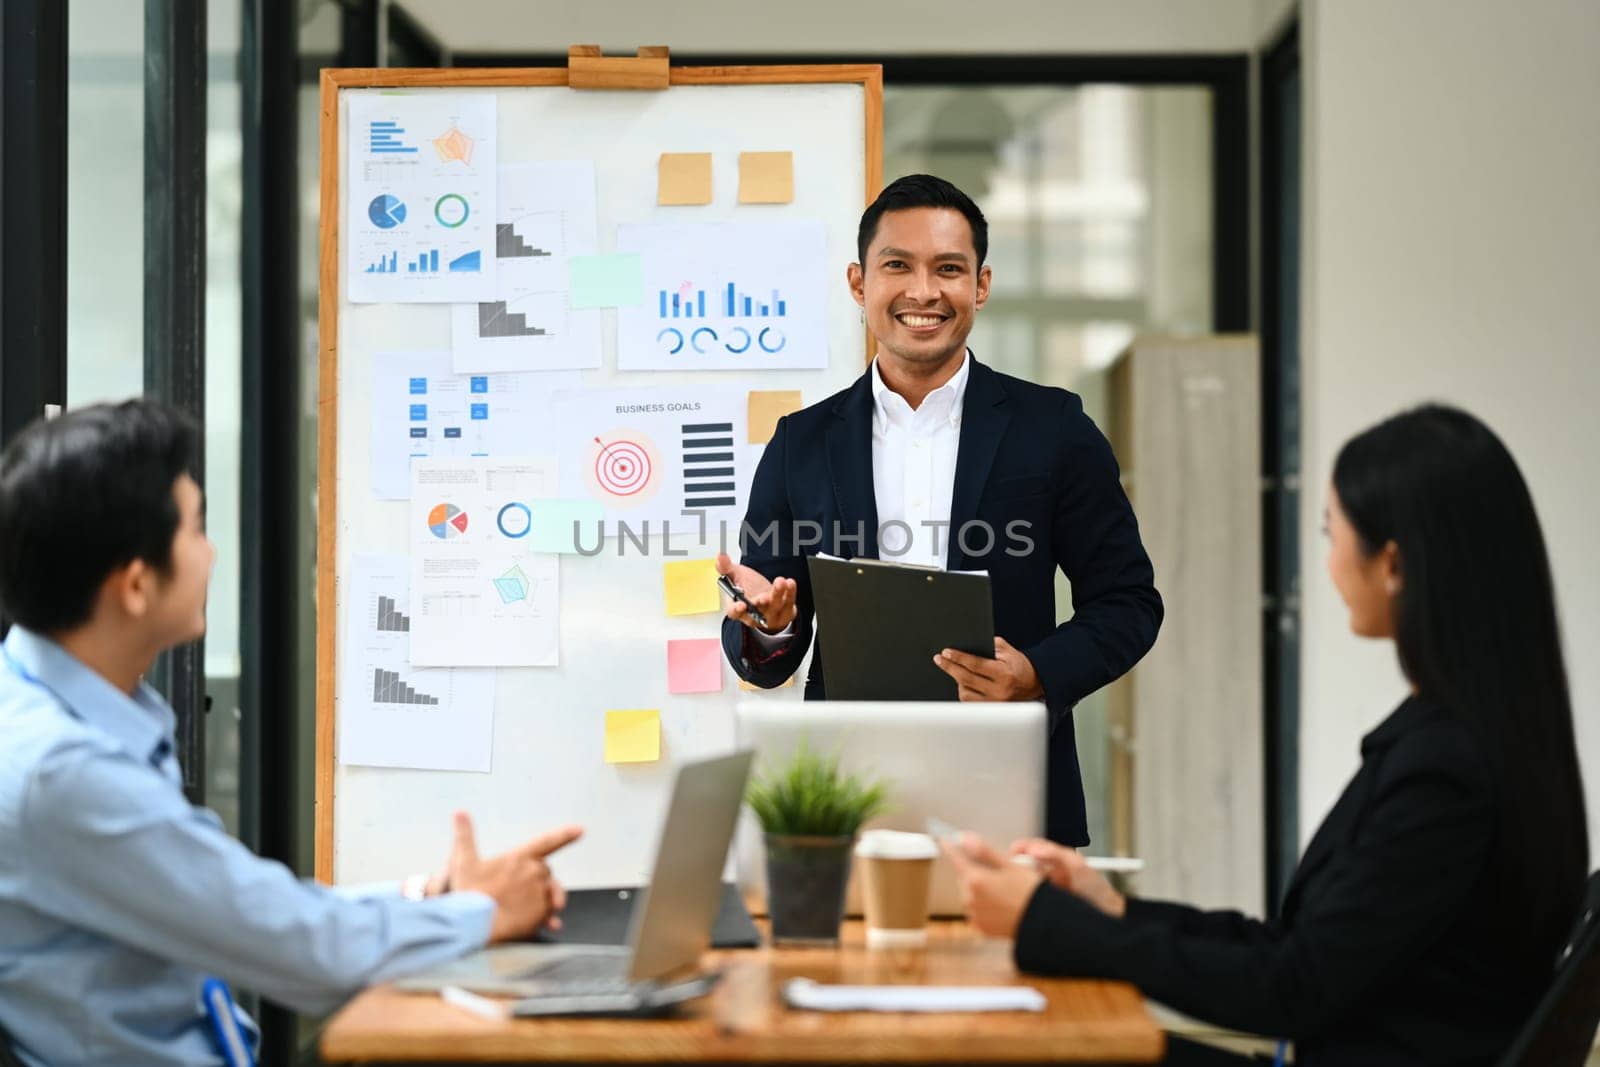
(387, 688)
(390, 618)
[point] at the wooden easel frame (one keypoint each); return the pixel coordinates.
(869, 76)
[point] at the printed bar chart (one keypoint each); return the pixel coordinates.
(682, 306)
(384, 138)
(740, 304)
(390, 618)
(387, 688)
(736, 304)
(495, 321)
(426, 263)
(508, 244)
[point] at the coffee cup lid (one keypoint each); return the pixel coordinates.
(896, 845)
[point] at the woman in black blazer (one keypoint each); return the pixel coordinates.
(1424, 919)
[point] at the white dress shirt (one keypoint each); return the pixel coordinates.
(914, 468)
(913, 475)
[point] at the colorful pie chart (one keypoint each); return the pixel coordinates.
(446, 521)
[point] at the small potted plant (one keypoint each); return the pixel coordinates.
(810, 814)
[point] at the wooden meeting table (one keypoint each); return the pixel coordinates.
(745, 1021)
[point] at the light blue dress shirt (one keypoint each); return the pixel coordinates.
(118, 897)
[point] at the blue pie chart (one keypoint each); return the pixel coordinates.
(386, 212)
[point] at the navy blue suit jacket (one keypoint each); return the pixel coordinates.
(1031, 465)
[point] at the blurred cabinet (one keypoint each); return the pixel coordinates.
(1187, 768)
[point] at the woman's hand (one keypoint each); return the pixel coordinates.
(995, 893)
(1067, 870)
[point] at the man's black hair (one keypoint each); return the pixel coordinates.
(84, 494)
(921, 190)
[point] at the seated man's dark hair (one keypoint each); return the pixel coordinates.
(84, 494)
(921, 190)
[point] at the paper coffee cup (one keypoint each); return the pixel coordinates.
(896, 868)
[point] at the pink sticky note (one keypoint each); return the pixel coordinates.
(694, 666)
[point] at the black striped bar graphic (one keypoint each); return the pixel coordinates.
(705, 470)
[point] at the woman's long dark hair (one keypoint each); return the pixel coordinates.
(1477, 632)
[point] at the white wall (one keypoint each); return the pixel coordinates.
(1452, 222)
(878, 27)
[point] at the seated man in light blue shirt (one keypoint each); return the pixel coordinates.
(117, 897)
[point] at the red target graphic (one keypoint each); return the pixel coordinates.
(624, 467)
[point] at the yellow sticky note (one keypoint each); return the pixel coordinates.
(766, 177)
(765, 408)
(691, 586)
(633, 736)
(684, 178)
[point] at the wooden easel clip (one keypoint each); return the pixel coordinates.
(588, 69)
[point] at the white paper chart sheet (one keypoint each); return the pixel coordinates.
(420, 197)
(546, 214)
(655, 454)
(421, 409)
(482, 599)
(726, 296)
(390, 714)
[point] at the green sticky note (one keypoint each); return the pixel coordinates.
(565, 525)
(606, 281)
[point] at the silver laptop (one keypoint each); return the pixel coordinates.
(980, 767)
(669, 930)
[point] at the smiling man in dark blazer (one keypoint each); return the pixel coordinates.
(932, 457)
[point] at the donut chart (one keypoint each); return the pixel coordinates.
(515, 520)
(446, 521)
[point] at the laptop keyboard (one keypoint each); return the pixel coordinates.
(585, 975)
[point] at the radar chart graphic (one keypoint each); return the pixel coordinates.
(623, 468)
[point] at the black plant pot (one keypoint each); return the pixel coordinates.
(806, 881)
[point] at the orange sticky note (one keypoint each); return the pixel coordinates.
(684, 178)
(694, 665)
(691, 586)
(766, 177)
(763, 410)
(633, 736)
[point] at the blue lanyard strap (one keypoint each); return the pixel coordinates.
(225, 1024)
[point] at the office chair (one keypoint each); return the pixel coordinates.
(1562, 1029)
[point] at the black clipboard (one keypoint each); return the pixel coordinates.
(880, 624)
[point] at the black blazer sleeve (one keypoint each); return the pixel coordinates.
(1116, 610)
(1381, 900)
(766, 545)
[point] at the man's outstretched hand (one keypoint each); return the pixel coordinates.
(775, 600)
(525, 894)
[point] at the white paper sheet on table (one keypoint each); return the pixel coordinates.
(546, 214)
(420, 198)
(726, 296)
(482, 598)
(421, 408)
(390, 714)
(815, 996)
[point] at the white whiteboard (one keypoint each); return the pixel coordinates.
(549, 722)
